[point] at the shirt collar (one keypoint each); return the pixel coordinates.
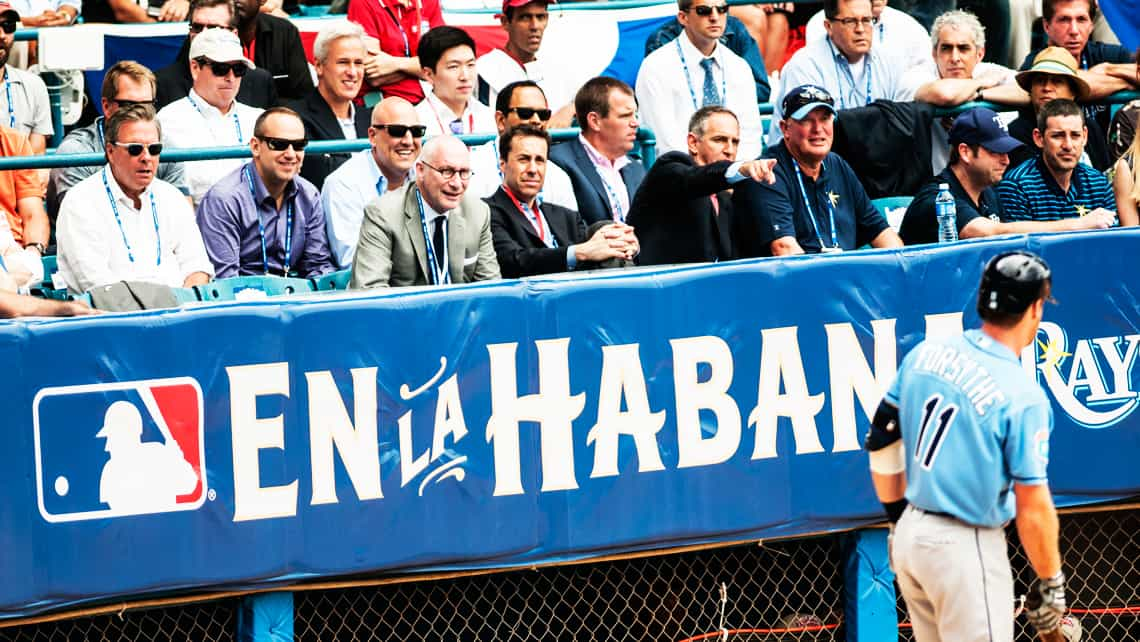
(117, 192)
(839, 57)
(429, 213)
(206, 108)
(444, 112)
(261, 191)
(786, 157)
(693, 56)
(600, 159)
(989, 345)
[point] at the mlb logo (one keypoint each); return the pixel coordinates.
(125, 448)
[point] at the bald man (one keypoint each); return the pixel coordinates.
(395, 134)
(430, 231)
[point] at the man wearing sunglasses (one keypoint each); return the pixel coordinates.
(519, 103)
(430, 231)
(844, 63)
(395, 137)
(174, 80)
(210, 116)
(695, 71)
(263, 218)
(25, 100)
(126, 83)
(329, 114)
(121, 224)
(448, 58)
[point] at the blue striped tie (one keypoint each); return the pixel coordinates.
(710, 96)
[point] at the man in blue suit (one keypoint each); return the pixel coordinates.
(604, 175)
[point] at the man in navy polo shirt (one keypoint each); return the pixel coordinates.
(1056, 185)
(816, 203)
(979, 155)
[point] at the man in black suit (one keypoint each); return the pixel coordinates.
(532, 237)
(173, 81)
(604, 175)
(683, 211)
(328, 111)
(274, 44)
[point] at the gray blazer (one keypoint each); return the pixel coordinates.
(391, 251)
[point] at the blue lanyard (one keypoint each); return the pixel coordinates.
(839, 76)
(8, 93)
(119, 222)
(689, 81)
(811, 213)
(261, 226)
(237, 123)
(99, 130)
(439, 276)
(400, 27)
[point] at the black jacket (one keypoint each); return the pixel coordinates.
(887, 144)
(278, 50)
(174, 83)
(518, 247)
(321, 124)
(674, 216)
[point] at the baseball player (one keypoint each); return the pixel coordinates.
(958, 447)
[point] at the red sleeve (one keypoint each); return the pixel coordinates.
(359, 13)
(432, 13)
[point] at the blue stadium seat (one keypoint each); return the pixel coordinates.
(893, 208)
(51, 264)
(85, 298)
(333, 281)
(231, 289)
(186, 295)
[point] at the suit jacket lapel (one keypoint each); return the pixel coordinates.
(558, 227)
(414, 227)
(515, 216)
(329, 125)
(591, 173)
(456, 241)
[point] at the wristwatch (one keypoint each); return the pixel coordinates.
(978, 95)
(40, 247)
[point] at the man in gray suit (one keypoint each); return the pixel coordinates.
(429, 232)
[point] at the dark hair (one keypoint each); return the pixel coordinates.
(1058, 107)
(259, 124)
(438, 41)
(205, 4)
(701, 116)
(509, 12)
(130, 114)
(684, 5)
(525, 130)
(594, 96)
(955, 157)
(503, 101)
(1049, 8)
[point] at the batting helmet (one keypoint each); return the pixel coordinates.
(1011, 282)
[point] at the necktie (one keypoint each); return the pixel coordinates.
(380, 186)
(709, 96)
(437, 240)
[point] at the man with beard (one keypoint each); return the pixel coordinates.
(262, 218)
(1056, 185)
(979, 156)
(25, 95)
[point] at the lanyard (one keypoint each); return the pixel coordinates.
(439, 276)
(689, 81)
(535, 219)
(261, 226)
(424, 25)
(8, 93)
(615, 204)
(237, 123)
(444, 130)
(839, 76)
(811, 214)
(119, 222)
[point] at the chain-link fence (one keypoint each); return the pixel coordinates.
(203, 622)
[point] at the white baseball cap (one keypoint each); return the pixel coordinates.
(218, 45)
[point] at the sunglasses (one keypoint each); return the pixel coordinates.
(199, 27)
(135, 149)
(398, 131)
(131, 103)
(221, 69)
(9, 26)
(526, 113)
(705, 10)
(281, 144)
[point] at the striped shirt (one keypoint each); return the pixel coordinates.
(1029, 193)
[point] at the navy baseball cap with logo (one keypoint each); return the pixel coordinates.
(981, 126)
(801, 101)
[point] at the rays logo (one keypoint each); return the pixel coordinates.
(1091, 379)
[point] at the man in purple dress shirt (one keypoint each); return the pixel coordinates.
(263, 218)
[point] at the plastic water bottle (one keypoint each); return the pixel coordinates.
(947, 213)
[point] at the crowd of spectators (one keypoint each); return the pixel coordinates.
(418, 207)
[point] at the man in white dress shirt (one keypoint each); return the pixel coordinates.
(395, 135)
(210, 116)
(450, 106)
(694, 71)
(121, 224)
(896, 31)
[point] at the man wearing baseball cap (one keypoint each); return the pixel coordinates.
(25, 101)
(210, 116)
(979, 156)
(816, 203)
(525, 22)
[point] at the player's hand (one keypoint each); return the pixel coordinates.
(1045, 603)
(174, 11)
(759, 170)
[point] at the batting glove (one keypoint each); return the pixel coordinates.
(1045, 603)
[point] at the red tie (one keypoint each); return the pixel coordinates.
(716, 205)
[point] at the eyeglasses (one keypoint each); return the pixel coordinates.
(281, 144)
(135, 149)
(705, 10)
(398, 131)
(526, 113)
(449, 173)
(131, 103)
(199, 27)
(221, 69)
(865, 21)
(9, 26)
